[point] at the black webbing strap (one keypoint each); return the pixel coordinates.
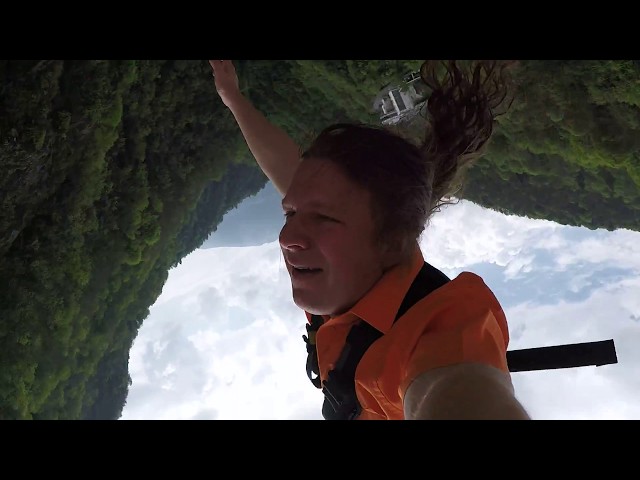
(562, 356)
(428, 279)
(313, 370)
(341, 402)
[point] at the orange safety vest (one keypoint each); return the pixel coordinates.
(364, 362)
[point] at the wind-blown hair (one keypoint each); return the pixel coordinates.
(408, 182)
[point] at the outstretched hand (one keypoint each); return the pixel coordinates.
(226, 80)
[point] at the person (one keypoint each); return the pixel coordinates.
(356, 202)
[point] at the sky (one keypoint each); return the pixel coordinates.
(224, 339)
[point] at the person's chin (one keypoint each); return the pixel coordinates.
(302, 300)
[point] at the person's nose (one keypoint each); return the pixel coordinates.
(294, 236)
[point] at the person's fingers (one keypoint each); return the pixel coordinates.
(218, 65)
(214, 66)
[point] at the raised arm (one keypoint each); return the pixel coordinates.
(276, 153)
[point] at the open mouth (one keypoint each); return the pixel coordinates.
(306, 271)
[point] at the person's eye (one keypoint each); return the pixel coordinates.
(288, 214)
(324, 217)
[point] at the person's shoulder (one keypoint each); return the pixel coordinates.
(468, 291)
(469, 278)
(465, 283)
(471, 283)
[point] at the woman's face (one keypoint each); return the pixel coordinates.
(329, 229)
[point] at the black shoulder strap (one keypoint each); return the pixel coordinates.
(428, 279)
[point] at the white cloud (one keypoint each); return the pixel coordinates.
(224, 340)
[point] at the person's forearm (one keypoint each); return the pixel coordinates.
(479, 405)
(276, 153)
(463, 392)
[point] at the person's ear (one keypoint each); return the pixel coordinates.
(394, 249)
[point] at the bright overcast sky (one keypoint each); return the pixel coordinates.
(224, 339)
